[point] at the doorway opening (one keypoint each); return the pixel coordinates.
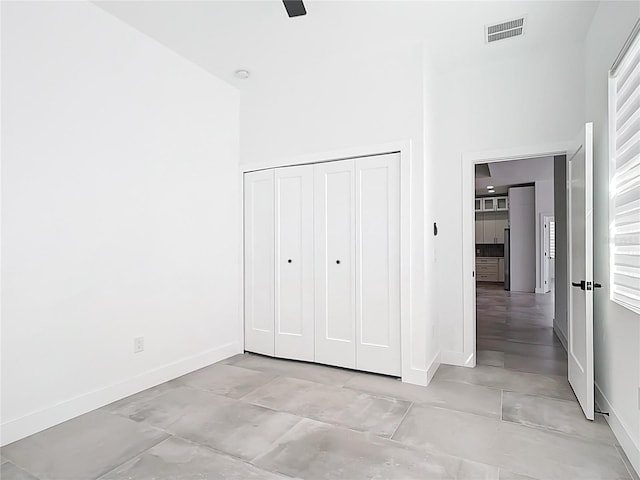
(518, 324)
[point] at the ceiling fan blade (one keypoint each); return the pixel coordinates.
(295, 8)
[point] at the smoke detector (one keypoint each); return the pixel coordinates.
(242, 74)
(504, 30)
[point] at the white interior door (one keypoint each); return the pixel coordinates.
(294, 324)
(258, 262)
(580, 213)
(334, 266)
(378, 264)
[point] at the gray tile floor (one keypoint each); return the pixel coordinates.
(263, 418)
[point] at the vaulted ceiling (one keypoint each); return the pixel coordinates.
(223, 36)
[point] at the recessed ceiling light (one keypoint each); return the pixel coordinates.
(492, 191)
(490, 187)
(242, 74)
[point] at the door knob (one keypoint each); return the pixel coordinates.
(584, 285)
(338, 262)
(289, 261)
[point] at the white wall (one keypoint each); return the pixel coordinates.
(349, 99)
(120, 214)
(533, 98)
(522, 239)
(544, 206)
(616, 329)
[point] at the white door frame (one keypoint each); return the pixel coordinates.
(469, 160)
(410, 373)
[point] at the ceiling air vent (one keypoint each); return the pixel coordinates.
(500, 31)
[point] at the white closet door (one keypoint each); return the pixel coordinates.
(258, 262)
(378, 264)
(335, 263)
(294, 335)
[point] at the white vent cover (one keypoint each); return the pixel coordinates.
(508, 29)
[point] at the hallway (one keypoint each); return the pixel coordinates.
(515, 331)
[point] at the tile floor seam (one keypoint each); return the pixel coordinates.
(524, 426)
(350, 371)
(547, 375)
(570, 436)
(202, 389)
(508, 390)
(381, 396)
(573, 402)
(225, 454)
(401, 420)
(415, 448)
(275, 442)
(151, 425)
(20, 468)
(132, 458)
(315, 419)
(276, 377)
(550, 377)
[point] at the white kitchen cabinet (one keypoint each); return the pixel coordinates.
(491, 204)
(335, 251)
(501, 222)
(294, 295)
(259, 262)
(490, 269)
(487, 269)
(502, 204)
(479, 227)
(488, 204)
(490, 227)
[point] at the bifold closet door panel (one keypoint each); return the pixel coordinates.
(259, 262)
(334, 217)
(378, 264)
(294, 325)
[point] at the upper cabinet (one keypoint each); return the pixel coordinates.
(491, 204)
(488, 204)
(502, 203)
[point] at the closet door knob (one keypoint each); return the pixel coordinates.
(338, 262)
(289, 261)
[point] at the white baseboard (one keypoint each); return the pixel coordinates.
(560, 335)
(433, 367)
(459, 359)
(415, 376)
(449, 357)
(34, 422)
(421, 376)
(630, 447)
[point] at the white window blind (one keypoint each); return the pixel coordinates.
(624, 144)
(552, 239)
